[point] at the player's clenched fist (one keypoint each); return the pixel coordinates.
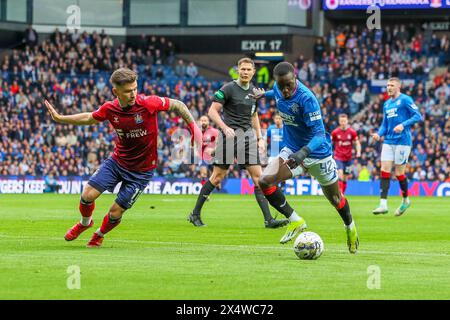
(399, 128)
(376, 137)
(229, 132)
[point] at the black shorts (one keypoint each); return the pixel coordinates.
(241, 150)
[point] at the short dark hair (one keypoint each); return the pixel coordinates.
(343, 115)
(123, 76)
(283, 68)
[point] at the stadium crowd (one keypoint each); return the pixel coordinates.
(72, 70)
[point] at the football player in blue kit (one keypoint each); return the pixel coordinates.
(399, 114)
(307, 148)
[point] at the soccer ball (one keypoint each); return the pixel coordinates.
(308, 246)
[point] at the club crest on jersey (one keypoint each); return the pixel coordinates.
(138, 118)
(116, 119)
(294, 107)
(399, 102)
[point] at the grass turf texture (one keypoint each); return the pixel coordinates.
(156, 254)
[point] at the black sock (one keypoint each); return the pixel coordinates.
(206, 190)
(404, 187)
(279, 202)
(385, 182)
(263, 204)
(345, 214)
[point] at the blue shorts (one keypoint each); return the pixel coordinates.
(111, 173)
(345, 166)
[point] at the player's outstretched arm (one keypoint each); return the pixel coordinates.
(259, 93)
(77, 119)
(182, 110)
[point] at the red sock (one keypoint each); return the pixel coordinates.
(342, 203)
(403, 181)
(344, 186)
(86, 209)
(269, 191)
(341, 186)
(108, 224)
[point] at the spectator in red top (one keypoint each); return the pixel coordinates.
(14, 88)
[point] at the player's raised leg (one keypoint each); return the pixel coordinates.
(87, 206)
(276, 172)
(219, 173)
(255, 172)
(403, 181)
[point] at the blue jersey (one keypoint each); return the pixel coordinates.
(303, 124)
(275, 135)
(404, 111)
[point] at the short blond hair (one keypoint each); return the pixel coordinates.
(246, 60)
(123, 76)
(396, 80)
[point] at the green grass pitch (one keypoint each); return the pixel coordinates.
(156, 254)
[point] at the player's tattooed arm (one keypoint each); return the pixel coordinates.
(77, 119)
(181, 109)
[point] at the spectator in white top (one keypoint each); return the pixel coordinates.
(303, 74)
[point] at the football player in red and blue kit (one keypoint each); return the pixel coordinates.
(135, 119)
(343, 138)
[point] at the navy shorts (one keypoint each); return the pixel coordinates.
(111, 173)
(345, 166)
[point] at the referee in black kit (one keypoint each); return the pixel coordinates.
(236, 140)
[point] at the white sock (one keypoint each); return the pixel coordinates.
(294, 217)
(383, 203)
(405, 200)
(85, 221)
(351, 225)
(99, 233)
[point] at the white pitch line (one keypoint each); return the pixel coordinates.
(240, 247)
(251, 199)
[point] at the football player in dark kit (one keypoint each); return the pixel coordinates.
(237, 140)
